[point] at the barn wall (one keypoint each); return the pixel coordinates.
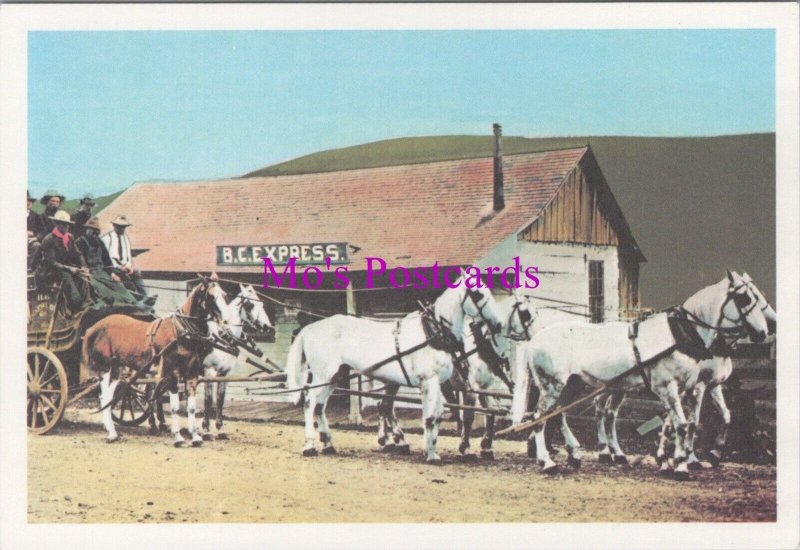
(564, 273)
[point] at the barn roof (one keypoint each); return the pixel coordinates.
(410, 215)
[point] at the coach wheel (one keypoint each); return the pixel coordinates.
(47, 390)
(133, 406)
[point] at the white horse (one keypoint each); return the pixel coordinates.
(611, 354)
(404, 350)
(245, 309)
(714, 373)
(499, 349)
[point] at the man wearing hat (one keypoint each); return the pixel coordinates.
(34, 228)
(82, 214)
(52, 202)
(61, 261)
(119, 249)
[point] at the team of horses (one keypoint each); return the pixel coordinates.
(468, 341)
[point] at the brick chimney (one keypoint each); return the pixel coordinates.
(498, 200)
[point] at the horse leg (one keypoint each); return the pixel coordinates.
(174, 407)
(614, 403)
(432, 411)
(663, 444)
(467, 418)
(719, 443)
(208, 392)
(488, 436)
(309, 409)
(600, 406)
(695, 404)
(671, 398)
(398, 436)
(574, 451)
(324, 430)
(191, 411)
(385, 412)
(221, 389)
(550, 390)
(107, 388)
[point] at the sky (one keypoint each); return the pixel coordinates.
(106, 109)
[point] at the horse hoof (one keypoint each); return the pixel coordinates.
(436, 461)
(621, 460)
(714, 459)
(197, 443)
(487, 454)
(680, 475)
(179, 444)
(113, 439)
(208, 437)
(463, 448)
(604, 458)
(329, 450)
(389, 448)
(694, 466)
(403, 449)
(222, 436)
(310, 452)
(185, 433)
(381, 442)
(574, 462)
(163, 428)
(550, 469)
(152, 430)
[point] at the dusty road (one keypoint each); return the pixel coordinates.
(259, 476)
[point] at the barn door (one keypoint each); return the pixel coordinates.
(596, 298)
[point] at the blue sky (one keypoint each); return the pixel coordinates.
(106, 109)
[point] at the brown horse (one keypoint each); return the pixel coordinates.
(118, 342)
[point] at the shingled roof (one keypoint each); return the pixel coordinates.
(410, 215)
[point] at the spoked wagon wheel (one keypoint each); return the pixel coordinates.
(133, 406)
(47, 390)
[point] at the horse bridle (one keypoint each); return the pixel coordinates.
(741, 326)
(476, 297)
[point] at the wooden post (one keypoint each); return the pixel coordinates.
(355, 382)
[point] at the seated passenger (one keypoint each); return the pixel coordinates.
(61, 261)
(34, 228)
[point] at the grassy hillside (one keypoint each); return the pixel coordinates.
(72, 204)
(696, 205)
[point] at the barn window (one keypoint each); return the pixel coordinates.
(596, 301)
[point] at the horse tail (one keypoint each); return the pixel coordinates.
(87, 347)
(296, 368)
(522, 382)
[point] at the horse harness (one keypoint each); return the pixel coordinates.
(682, 323)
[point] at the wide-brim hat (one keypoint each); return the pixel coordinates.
(121, 220)
(93, 223)
(50, 194)
(88, 198)
(62, 217)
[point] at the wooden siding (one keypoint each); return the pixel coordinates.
(576, 214)
(629, 297)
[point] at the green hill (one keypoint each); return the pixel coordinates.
(695, 205)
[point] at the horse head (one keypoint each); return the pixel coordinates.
(763, 305)
(521, 318)
(461, 300)
(252, 312)
(728, 309)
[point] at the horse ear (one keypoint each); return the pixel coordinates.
(730, 276)
(214, 277)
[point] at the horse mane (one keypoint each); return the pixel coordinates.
(188, 307)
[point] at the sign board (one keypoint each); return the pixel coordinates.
(280, 254)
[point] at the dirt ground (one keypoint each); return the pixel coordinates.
(259, 476)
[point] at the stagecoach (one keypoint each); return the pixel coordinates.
(54, 347)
